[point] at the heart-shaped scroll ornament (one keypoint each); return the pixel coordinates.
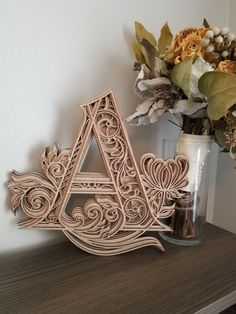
(121, 205)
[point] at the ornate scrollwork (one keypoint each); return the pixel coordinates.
(92, 187)
(100, 218)
(51, 218)
(136, 210)
(163, 180)
(33, 193)
(54, 162)
(107, 123)
(127, 202)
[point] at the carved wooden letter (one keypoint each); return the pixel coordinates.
(126, 203)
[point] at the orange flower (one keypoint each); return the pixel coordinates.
(202, 31)
(186, 43)
(191, 46)
(182, 35)
(226, 66)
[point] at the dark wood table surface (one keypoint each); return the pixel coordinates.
(61, 278)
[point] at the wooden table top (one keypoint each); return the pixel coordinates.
(61, 278)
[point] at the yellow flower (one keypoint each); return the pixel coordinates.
(191, 46)
(226, 66)
(186, 43)
(182, 35)
(202, 31)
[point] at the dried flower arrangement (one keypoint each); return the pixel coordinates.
(192, 76)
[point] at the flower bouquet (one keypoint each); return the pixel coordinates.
(192, 76)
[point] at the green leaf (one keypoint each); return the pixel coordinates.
(220, 90)
(205, 23)
(149, 52)
(181, 75)
(142, 33)
(165, 38)
(146, 60)
(220, 138)
(138, 53)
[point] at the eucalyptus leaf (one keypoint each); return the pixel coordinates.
(181, 75)
(140, 116)
(142, 33)
(220, 90)
(138, 53)
(143, 75)
(158, 67)
(186, 107)
(152, 83)
(165, 38)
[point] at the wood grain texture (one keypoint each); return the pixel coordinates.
(62, 279)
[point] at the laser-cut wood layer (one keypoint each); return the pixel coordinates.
(126, 203)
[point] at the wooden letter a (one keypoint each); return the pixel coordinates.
(126, 201)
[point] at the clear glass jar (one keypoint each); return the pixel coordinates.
(189, 219)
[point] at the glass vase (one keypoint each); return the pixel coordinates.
(189, 219)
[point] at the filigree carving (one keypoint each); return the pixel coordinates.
(54, 162)
(32, 192)
(163, 180)
(127, 202)
(136, 211)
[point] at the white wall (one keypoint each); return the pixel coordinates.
(225, 208)
(225, 201)
(55, 54)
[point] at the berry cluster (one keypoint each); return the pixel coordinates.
(221, 43)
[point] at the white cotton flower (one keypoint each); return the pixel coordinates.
(219, 39)
(210, 48)
(216, 31)
(205, 42)
(209, 34)
(224, 53)
(230, 37)
(224, 30)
